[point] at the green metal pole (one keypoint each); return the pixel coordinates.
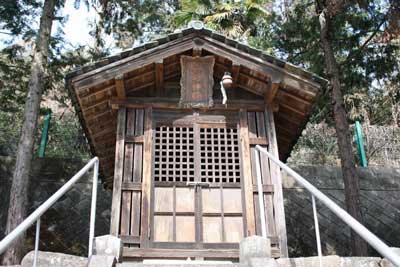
(360, 144)
(45, 134)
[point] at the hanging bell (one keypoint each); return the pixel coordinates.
(227, 80)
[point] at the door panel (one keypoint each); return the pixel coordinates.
(163, 199)
(212, 229)
(163, 230)
(184, 199)
(197, 195)
(185, 226)
(211, 200)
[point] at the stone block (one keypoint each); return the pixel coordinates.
(108, 245)
(262, 262)
(51, 259)
(327, 261)
(102, 261)
(254, 247)
(361, 262)
(386, 262)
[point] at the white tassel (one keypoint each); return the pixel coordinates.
(224, 97)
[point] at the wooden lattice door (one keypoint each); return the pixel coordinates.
(197, 187)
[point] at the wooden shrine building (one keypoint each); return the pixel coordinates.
(180, 163)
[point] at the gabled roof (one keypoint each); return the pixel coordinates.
(92, 86)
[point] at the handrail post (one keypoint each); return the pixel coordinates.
(260, 195)
(93, 207)
(37, 237)
(317, 233)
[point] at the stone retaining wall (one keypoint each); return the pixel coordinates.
(65, 227)
(380, 200)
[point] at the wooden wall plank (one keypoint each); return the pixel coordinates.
(147, 177)
(127, 176)
(247, 177)
(118, 172)
(280, 222)
(137, 174)
(266, 177)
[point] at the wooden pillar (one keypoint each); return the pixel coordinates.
(247, 176)
(147, 178)
(118, 172)
(280, 222)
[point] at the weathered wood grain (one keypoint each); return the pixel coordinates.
(247, 178)
(118, 172)
(276, 177)
(147, 179)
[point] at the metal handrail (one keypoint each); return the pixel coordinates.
(35, 216)
(360, 229)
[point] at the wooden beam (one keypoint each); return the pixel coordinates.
(254, 62)
(258, 141)
(266, 188)
(120, 86)
(271, 92)
(197, 51)
(247, 175)
(179, 253)
(118, 172)
(163, 103)
(235, 76)
(147, 179)
(133, 62)
(161, 253)
(280, 221)
(159, 77)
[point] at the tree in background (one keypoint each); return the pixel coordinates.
(351, 181)
(352, 57)
(235, 19)
(131, 22)
(20, 182)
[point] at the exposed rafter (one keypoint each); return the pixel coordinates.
(120, 86)
(271, 92)
(159, 76)
(235, 74)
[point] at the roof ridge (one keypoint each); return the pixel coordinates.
(195, 28)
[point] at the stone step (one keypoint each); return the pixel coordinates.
(180, 263)
(52, 259)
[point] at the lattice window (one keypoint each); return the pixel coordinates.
(174, 154)
(219, 155)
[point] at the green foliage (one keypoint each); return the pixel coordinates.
(363, 58)
(13, 63)
(236, 19)
(17, 16)
(66, 138)
(135, 21)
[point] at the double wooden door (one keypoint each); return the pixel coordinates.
(197, 196)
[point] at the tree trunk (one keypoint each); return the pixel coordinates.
(351, 182)
(20, 183)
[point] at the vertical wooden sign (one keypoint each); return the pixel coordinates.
(197, 81)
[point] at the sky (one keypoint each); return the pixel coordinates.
(76, 29)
